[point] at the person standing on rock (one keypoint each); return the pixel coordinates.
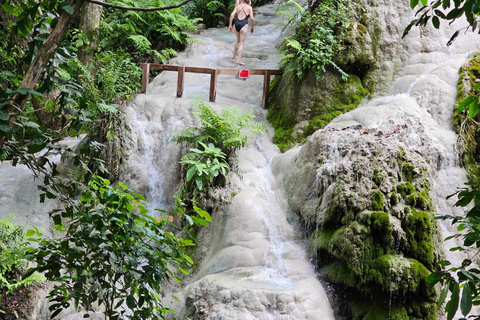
(243, 10)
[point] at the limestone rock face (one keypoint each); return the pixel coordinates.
(369, 183)
(365, 196)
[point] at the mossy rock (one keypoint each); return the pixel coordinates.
(465, 126)
(312, 101)
(377, 200)
(419, 228)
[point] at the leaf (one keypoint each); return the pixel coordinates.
(452, 305)
(413, 3)
(30, 233)
(188, 258)
(86, 197)
(8, 8)
(184, 271)
(466, 103)
(440, 14)
(454, 36)
(202, 213)
(436, 22)
(4, 115)
(31, 124)
(443, 295)
(424, 2)
(177, 279)
(189, 219)
(466, 302)
(26, 91)
(473, 109)
(68, 9)
(191, 172)
(131, 303)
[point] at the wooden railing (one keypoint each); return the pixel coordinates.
(213, 72)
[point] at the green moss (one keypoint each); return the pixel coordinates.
(353, 245)
(377, 312)
(405, 189)
(419, 228)
(320, 239)
(377, 177)
(381, 230)
(393, 199)
(465, 126)
(376, 198)
(408, 171)
(340, 273)
(362, 28)
(346, 96)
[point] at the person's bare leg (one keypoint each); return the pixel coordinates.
(243, 37)
(235, 48)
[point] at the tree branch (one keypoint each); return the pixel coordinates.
(173, 6)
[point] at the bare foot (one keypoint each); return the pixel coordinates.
(234, 57)
(240, 63)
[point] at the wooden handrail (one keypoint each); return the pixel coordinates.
(214, 73)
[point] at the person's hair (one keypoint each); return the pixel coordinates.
(248, 2)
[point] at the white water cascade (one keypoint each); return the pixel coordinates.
(254, 267)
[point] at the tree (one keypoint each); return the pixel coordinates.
(463, 282)
(35, 72)
(456, 9)
(112, 253)
(89, 24)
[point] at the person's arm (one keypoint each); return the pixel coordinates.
(253, 20)
(231, 19)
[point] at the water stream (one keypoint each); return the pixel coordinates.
(254, 266)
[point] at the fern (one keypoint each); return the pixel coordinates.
(318, 38)
(227, 131)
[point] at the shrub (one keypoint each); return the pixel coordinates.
(112, 253)
(318, 38)
(12, 264)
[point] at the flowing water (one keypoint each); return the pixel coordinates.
(255, 264)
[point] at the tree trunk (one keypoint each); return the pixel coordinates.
(46, 52)
(90, 23)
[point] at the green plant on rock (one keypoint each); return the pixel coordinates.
(227, 131)
(12, 264)
(461, 283)
(318, 39)
(111, 253)
(203, 166)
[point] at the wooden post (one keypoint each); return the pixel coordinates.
(213, 85)
(180, 81)
(145, 76)
(266, 88)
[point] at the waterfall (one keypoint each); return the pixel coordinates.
(254, 266)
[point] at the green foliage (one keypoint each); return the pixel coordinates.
(462, 282)
(436, 11)
(116, 78)
(227, 131)
(111, 253)
(146, 34)
(204, 165)
(465, 122)
(12, 264)
(318, 39)
(212, 13)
